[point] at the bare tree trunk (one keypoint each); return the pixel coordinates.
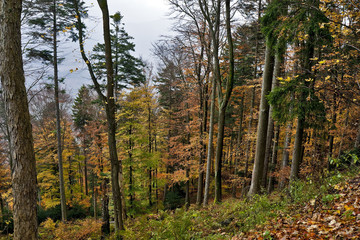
(58, 119)
(218, 156)
(279, 60)
(203, 129)
(331, 137)
(248, 142)
(94, 193)
(263, 122)
(149, 150)
(295, 165)
(187, 167)
(274, 156)
(238, 145)
(224, 99)
(24, 187)
(105, 226)
(343, 133)
(285, 156)
(210, 144)
(85, 173)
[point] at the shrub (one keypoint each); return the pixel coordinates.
(77, 230)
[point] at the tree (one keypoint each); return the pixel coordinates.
(13, 83)
(263, 119)
(128, 70)
(108, 101)
(82, 115)
(49, 17)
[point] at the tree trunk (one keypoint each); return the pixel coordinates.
(94, 193)
(116, 170)
(295, 164)
(219, 153)
(263, 122)
(343, 133)
(85, 173)
(149, 150)
(285, 155)
(279, 60)
(24, 187)
(70, 176)
(248, 142)
(238, 145)
(58, 119)
(131, 178)
(105, 226)
(210, 144)
(298, 144)
(274, 155)
(224, 99)
(331, 137)
(203, 129)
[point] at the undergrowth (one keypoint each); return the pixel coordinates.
(233, 216)
(217, 221)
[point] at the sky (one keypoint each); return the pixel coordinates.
(145, 21)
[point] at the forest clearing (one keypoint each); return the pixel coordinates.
(243, 124)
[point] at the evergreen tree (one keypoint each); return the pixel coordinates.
(128, 70)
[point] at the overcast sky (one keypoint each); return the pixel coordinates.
(145, 21)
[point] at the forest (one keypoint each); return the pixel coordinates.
(247, 125)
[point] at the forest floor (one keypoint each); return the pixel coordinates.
(335, 215)
(326, 208)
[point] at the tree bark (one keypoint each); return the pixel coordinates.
(203, 129)
(343, 133)
(279, 60)
(223, 103)
(238, 145)
(214, 25)
(210, 144)
(274, 156)
(24, 187)
(285, 155)
(263, 122)
(295, 164)
(105, 226)
(58, 117)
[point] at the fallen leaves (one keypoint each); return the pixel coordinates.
(335, 219)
